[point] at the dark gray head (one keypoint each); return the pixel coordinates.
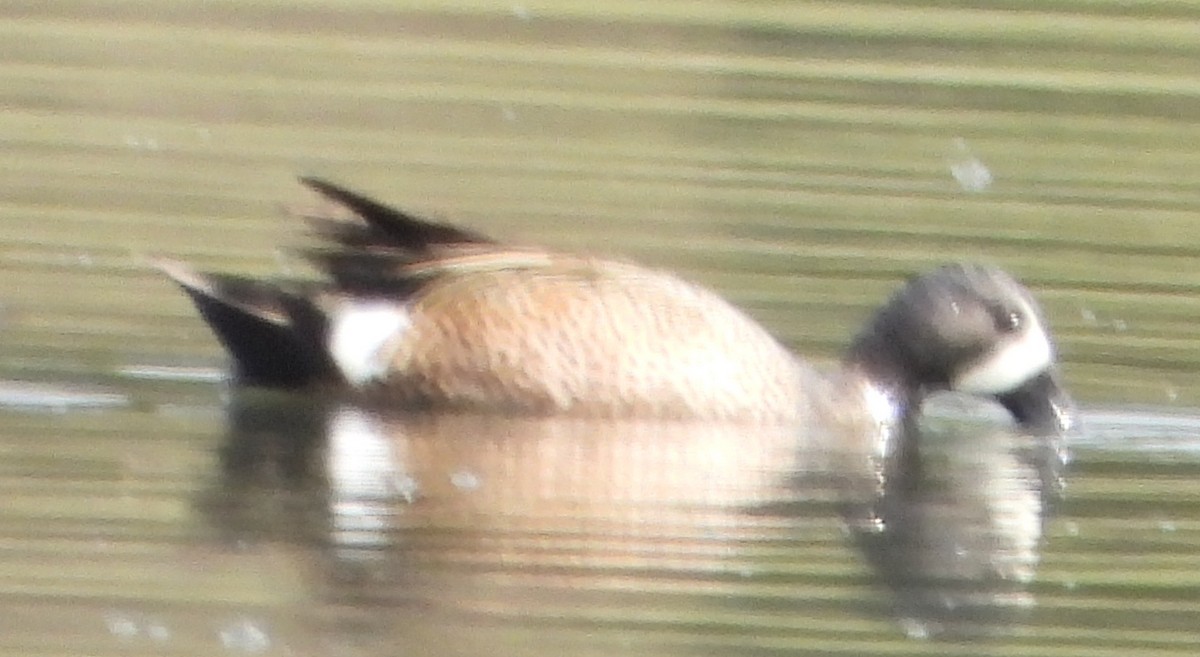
(971, 328)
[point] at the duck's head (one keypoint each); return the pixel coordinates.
(970, 328)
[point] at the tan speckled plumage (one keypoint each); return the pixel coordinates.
(588, 336)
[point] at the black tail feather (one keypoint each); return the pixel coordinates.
(273, 335)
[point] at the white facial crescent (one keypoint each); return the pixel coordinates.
(1010, 364)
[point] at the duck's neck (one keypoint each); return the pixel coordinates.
(873, 360)
(873, 373)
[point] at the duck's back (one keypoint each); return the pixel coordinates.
(562, 334)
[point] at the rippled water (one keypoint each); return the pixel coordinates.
(800, 157)
(283, 525)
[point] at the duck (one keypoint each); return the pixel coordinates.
(415, 313)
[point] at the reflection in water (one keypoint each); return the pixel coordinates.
(522, 518)
(956, 533)
(57, 397)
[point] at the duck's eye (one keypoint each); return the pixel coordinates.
(1007, 320)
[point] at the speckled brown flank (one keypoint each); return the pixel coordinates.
(590, 337)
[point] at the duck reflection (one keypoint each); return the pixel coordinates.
(376, 473)
(955, 531)
(412, 506)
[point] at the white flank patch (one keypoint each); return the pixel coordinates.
(1010, 364)
(359, 336)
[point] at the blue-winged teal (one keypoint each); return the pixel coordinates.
(428, 315)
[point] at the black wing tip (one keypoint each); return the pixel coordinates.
(322, 186)
(360, 204)
(395, 228)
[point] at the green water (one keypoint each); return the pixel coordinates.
(800, 157)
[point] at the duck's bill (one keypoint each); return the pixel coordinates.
(1041, 405)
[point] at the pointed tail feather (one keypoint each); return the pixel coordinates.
(275, 336)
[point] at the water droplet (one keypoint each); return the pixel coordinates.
(914, 629)
(120, 625)
(141, 143)
(465, 480)
(158, 632)
(407, 487)
(970, 172)
(245, 635)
